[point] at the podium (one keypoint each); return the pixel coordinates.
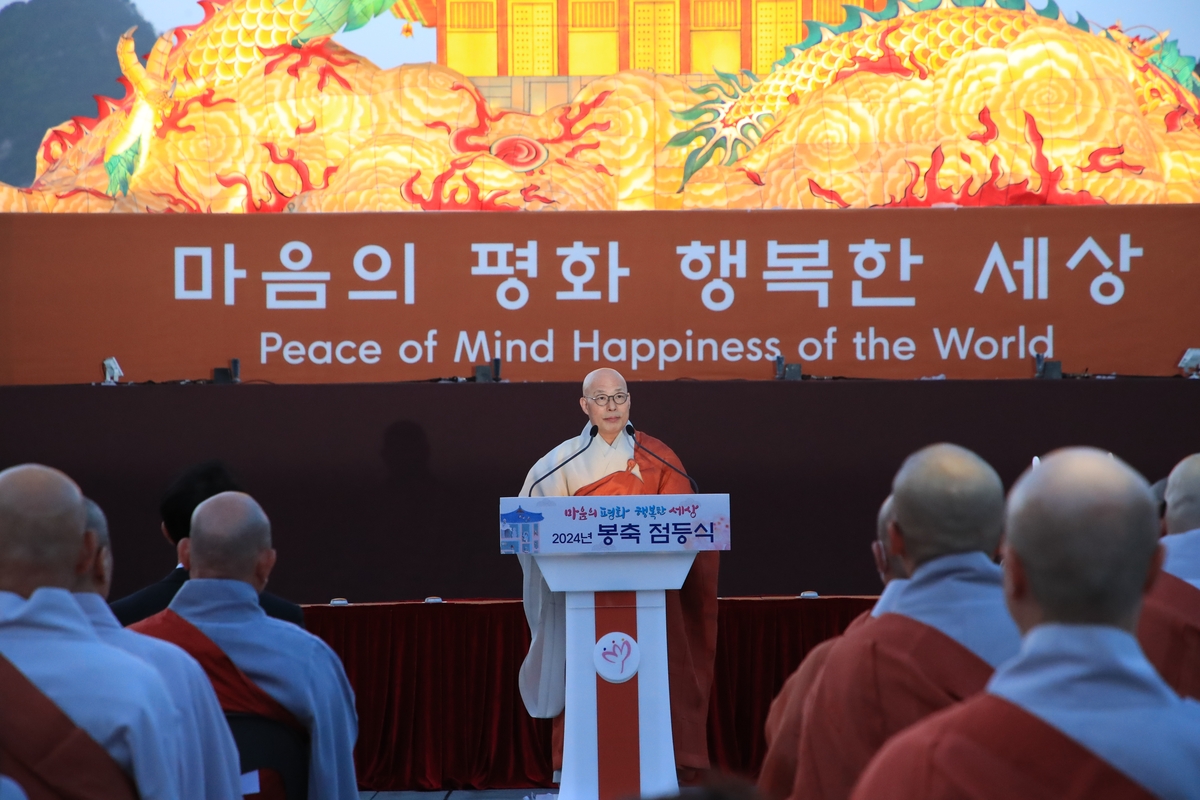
(615, 557)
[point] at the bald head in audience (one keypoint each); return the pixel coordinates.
(946, 500)
(887, 564)
(1183, 497)
(97, 577)
(42, 538)
(231, 540)
(1082, 541)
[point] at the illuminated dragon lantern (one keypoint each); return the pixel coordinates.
(966, 102)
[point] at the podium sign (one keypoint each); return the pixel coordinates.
(615, 557)
(650, 523)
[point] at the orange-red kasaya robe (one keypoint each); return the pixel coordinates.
(235, 691)
(990, 749)
(691, 612)
(47, 754)
(877, 680)
(1169, 632)
(786, 717)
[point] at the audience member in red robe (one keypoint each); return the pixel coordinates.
(1169, 629)
(616, 463)
(785, 718)
(1079, 714)
(946, 632)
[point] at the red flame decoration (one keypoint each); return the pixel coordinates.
(178, 112)
(579, 148)
(990, 193)
(439, 201)
(1094, 164)
(754, 177)
(460, 139)
(889, 63)
(61, 138)
(1175, 119)
(187, 201)
(990, 132)
(527, 194)
(317, 48)
(84, 190)
(568, 121)
(826, 194)
(518, 151)
(277, 201)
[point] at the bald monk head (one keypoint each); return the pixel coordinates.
(946, 500)
(42, 537)
(97, 578)
(887, 563)
(230, 540)
(1183, 497)
(602, 388)
(1082, 541)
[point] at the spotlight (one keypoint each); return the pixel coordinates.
(1191, 361)
(112, 371)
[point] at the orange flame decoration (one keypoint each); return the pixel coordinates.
(902, 111)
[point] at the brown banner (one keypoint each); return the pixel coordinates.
(964, 293)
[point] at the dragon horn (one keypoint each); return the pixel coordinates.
(131, 67)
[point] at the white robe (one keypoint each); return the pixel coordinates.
(118, 699)
(543, 676)
(210, 767)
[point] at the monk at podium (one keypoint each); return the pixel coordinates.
(1080, 712)
(607, 460)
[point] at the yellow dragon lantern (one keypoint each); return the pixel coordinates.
(959, 102)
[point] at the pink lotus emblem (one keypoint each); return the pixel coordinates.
(618, 651)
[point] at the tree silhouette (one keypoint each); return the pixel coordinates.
(54, 55)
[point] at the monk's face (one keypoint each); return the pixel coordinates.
(606, 413)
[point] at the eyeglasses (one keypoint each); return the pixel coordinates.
(620, 398)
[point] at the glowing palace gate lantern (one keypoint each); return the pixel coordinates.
(615, 557)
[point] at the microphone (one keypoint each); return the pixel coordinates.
(591, 438)
(629, 430)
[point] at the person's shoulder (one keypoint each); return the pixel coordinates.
(118, 675)
(281, 609)
(657, 445)
(294, 640)
(903, 767)
(892, 653)
(145, 602)
(171, 660)
(571, 443)
(1189, 717)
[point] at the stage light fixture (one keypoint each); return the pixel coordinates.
(1046, 369)
(112, 371)
(1191, 361)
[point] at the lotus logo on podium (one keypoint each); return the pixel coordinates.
(617, 657)
(519, 532)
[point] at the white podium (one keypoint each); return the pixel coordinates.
(615, 557)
